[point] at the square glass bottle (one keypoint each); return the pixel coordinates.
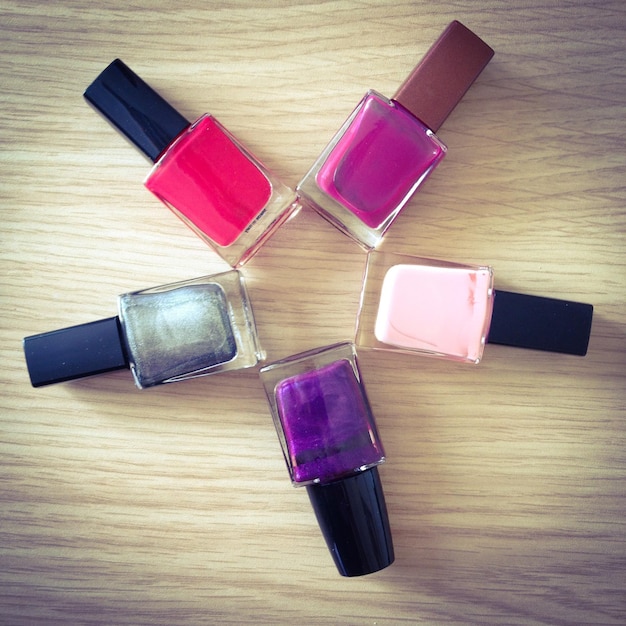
(387, 147)
(450, 310)
(201, 171)
(163, 334)
(331, 445)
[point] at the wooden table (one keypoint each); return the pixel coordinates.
(506, 481)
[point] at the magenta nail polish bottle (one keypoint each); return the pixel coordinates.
(387, 148)
(331, 445)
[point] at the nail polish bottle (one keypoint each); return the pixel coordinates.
(387, 148)
(201, 172)
(331, 445)
(164, 334)
(449, 310)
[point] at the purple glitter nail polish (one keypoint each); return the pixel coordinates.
(327, 423)
(331, 444)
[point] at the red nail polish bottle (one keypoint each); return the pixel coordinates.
(200, 170)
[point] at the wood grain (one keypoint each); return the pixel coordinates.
(506, 482)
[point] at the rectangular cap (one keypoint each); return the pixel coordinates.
(442, 77)
(539, 323)
(135, 109)
(75, 352)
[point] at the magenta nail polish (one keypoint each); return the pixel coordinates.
(387, 148)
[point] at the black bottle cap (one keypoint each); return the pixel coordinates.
(135, 109)
(75, 352)
(353, 517)
(540, 323)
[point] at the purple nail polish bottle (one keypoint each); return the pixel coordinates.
(331, 446)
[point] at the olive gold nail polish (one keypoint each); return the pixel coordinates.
(163, 335)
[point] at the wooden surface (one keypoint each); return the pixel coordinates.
(506, 482)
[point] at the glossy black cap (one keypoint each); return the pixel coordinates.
(353, 517)
(539, 323)
(135, 109)
(75, 352)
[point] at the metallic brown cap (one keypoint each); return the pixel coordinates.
(442, 77)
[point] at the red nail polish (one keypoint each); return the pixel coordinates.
(201, 171)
